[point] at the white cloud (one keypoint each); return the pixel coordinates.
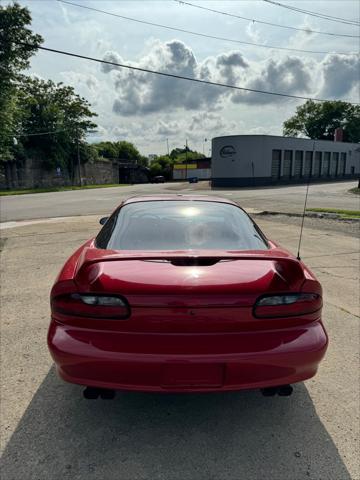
(167, 129)
(85, 84)
(81, 80)
(341, 74)
(144, 93)
(138, 93)
(289, 75)
(253, 32)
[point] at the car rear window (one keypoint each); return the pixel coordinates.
(180, 225)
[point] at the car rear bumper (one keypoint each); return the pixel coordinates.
(187, 362)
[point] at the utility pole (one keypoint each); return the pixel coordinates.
(186, 159)
(204, 140)
(78, 162)
(167, 144)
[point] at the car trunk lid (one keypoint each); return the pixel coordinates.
(188, 291)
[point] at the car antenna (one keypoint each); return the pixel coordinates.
(306, 197)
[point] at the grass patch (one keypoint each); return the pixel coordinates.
(342, 213)
(355, 190)
(24, 191)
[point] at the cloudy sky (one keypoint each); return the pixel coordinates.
(147, 109)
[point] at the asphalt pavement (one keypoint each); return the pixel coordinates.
(103, 201)
(50, 432)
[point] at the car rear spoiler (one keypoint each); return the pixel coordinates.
(288, 267)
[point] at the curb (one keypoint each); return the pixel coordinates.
(327, 216)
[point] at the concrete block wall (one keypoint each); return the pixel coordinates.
(100, 172)
(30, 174)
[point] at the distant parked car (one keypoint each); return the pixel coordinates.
(193, 180)
(185, 294)
(158, 179)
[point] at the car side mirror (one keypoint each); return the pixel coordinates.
(103, 220)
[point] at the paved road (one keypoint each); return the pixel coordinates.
(103, 201)
(49, 432)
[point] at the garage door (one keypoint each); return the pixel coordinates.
(317, 167)
(326, 165)
(287, 163)
(276, 164)
(342, 164)
(334, 164)
(298, 163)
(308, 164)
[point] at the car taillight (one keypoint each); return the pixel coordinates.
(91, 305)
(287, 305)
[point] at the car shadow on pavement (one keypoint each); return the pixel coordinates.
(240, 435)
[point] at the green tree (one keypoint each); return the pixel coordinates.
(164, 164)
(144, 161)
(186, 156)
(156, 169)
(175, 152)
(121, 151)
(318, 120)
(88, 153)
(14, 57)
(180, 155)
(50, 107)
(107, 150)
(127, 151)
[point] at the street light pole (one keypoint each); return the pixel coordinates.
(78, 162)
(204, 140)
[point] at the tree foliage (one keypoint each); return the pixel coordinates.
(107, 150)
(318, 120)
(14, 34)
(127, 151)
(49, 107)
(31, 107)
(164, 164)
(186, 156)
(181, 154)
(121, 150)
(156, 169)
(14, 57)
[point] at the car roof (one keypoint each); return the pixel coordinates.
(178, 197)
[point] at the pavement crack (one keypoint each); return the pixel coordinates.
(342, 309)
(344, 277)
(61, 232)
(332, 254)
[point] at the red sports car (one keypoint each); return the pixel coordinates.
(184, 293)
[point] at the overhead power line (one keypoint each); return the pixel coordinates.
(254, 20)
(198, 34)
(34, 134)
(180, 77)
(324, 16)
(38, 133)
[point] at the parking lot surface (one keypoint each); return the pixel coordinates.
(51, 432)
